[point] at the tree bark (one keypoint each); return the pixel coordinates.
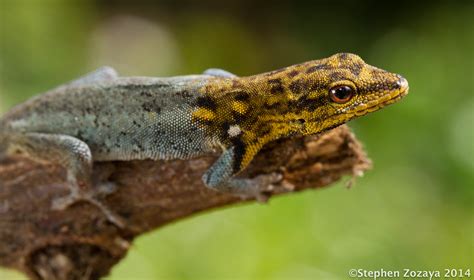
(79, 243)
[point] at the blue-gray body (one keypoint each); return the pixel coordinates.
(121, 118)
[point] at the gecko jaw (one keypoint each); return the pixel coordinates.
(380, 102)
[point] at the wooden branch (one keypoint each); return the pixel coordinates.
(79, 243)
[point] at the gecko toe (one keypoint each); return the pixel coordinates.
(62, 203)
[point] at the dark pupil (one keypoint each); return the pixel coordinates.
(343, 92)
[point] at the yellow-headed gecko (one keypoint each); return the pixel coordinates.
(104, 117)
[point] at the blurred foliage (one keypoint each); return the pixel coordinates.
(414, 210)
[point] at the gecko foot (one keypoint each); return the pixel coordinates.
(75, 196)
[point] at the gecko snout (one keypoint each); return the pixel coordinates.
(402, 83)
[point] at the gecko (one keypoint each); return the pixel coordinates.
(105, 117)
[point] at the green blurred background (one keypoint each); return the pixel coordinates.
(413, 210)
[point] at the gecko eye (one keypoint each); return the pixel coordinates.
(341, 94)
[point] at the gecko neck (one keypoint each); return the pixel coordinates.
(256, 107)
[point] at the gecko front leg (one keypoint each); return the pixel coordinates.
(74, 155)
(219, 177)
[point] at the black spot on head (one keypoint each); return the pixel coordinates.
(343, 56)
(236, 83)
(318, 67)
(298, 86)
(242, 96)
(275, 72)
(277, 89)
(299, 104)
(293, 73)
(206, 102)
(356, 69)
(335, 76)
(317, 102)
(309, 104)
(317, 86)
(276, 86)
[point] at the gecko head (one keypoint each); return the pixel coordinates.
(342, 87)
(302, 99)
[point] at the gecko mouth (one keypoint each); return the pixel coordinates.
(384, 100)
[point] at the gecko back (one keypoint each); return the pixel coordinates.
(120, 118)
